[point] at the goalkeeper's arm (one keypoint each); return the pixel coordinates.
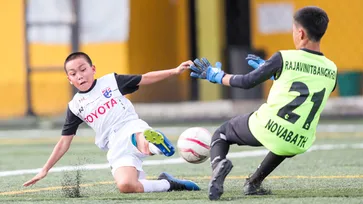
(272, 67)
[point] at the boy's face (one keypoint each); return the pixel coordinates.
(80, 73)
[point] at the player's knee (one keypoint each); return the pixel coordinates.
(126, 187)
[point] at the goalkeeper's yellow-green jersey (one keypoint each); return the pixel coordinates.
(286, 123)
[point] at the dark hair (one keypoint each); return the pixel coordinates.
(76, 55)
(314, 20)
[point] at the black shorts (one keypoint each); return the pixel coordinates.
(238, 132)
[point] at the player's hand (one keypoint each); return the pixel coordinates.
(255, 62)
(215, 74)
(183, 66)
(36, 178)
(199, 68)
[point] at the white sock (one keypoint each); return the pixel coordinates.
(153, 149)
(155, 185)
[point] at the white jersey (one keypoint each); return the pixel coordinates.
(104, 107)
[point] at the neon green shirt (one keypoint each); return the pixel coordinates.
(286, 123)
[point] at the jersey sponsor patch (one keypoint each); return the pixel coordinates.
(107, 92)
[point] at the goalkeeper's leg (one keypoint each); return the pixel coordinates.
(239, 133)
(220, 165)
(234, 131)
(252, 185)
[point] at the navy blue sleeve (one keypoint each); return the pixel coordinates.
(271, 67)
(127, 83)
(71, 123)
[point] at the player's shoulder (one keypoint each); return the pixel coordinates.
(288, 51)
(75, 102)
(77, 98)
(107, 77)
(330, 62)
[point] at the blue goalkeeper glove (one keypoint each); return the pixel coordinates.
(199, 68)
(215, 74)
(255, 62)
(202, 69)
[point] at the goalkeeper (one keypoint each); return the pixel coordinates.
(286, 124)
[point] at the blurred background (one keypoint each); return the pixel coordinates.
(138, 36)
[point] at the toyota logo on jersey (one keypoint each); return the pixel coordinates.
(107, 92)
(100, 110)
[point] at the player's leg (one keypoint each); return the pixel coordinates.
(130, 178)
(125, 158)
(141, 140)
(241, 135)
(160, 141)
(175, 184)
(127, 181)
(220, 165)
(144, 146)
(252, 185)
(148, 140)
(234, 131)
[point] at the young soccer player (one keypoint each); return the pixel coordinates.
(286, 123)
(101, 103)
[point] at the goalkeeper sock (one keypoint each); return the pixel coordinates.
(270, 162)
(155, 185)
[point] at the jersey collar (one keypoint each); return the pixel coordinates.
(93, 85)
(312, 51)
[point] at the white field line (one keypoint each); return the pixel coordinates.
(174, 131)
(243, 154)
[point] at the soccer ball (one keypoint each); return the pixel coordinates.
(194, 144)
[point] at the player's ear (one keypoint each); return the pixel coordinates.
(69, 80)
(93, 69)
(302, 34)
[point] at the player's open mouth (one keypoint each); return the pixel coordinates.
(82, 83)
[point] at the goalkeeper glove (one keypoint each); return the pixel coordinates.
(202, 69)
(255, 62)
(215, 74)
(199, 68)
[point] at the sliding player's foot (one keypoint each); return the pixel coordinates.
(177, 184)
(160, 141)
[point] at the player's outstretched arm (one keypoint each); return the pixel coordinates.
(59, 150)
(155, 76)
(264, 70)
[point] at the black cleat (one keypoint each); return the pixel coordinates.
(178, 184)
(219, 175)
(250, 188)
